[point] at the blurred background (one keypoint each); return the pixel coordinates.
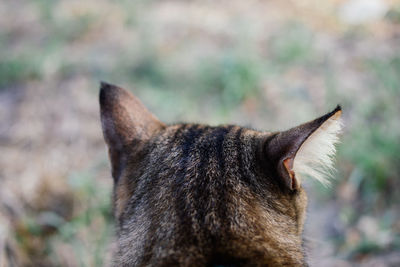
(265, 64)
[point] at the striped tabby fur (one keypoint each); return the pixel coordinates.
(196, 195)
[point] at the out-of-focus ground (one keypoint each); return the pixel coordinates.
(269, 64)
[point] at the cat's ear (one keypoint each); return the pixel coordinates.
(124, 120)
(307, 149)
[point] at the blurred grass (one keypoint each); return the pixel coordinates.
(86, 235)
(17, 70)
(270, 73)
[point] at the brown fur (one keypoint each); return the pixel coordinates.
(196, 195)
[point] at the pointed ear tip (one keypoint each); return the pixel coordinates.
(108, 91)
(337, 112)
(104, 84)
(104, 88)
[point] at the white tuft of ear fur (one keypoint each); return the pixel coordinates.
(315, 158)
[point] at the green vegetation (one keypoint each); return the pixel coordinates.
(17, 70)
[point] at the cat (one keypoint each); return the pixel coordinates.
(199, 195)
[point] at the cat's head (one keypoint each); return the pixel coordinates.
(263, 170)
